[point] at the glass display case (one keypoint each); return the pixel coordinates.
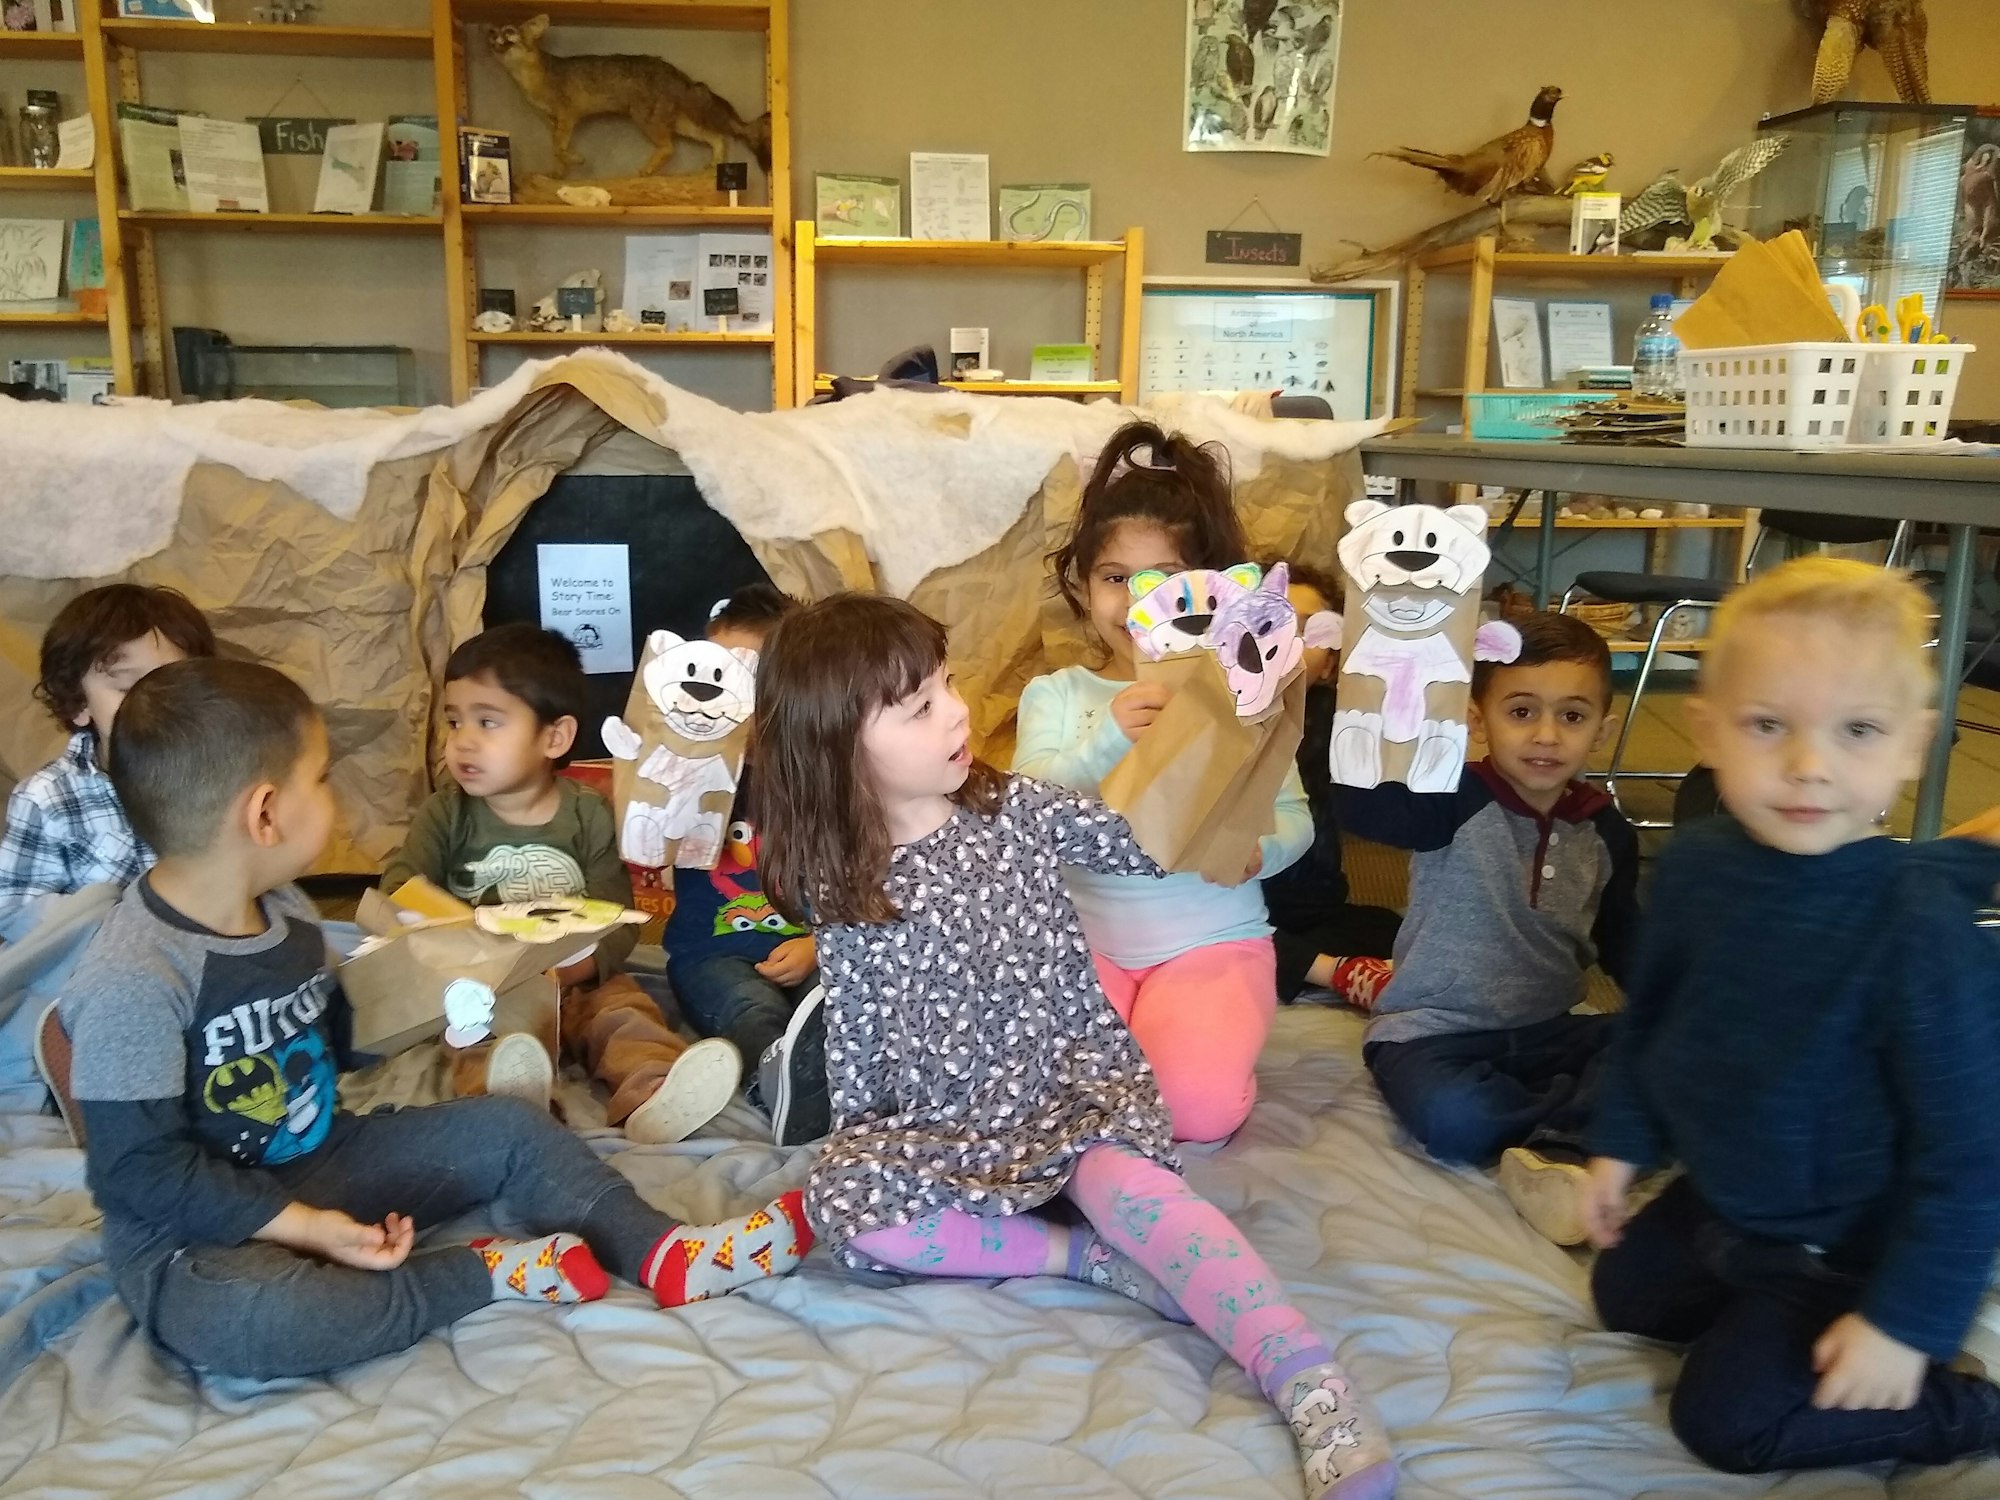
(212, 367)
(1874, 188)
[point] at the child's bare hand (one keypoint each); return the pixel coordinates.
(333, 1235)
(1604, 1200)
(1255, 867)
(1862, 1369)
(790, 962)
(1135, 708)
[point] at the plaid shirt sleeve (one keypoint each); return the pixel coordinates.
(66, 829)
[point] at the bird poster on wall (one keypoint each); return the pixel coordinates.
(1975, 241)
(1260, 75)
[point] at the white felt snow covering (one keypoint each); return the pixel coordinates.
(87, 491)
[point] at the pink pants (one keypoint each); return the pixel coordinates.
(1201, 1020)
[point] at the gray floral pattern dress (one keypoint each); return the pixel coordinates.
(971, 1056)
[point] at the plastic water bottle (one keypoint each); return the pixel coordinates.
(1656, 362)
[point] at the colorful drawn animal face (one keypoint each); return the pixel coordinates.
(705, 692)
(748, 913)
(1174, 612)
(1416, 545)
(1256, 635)
(552, 917)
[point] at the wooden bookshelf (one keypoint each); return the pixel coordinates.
(1092, 257)
(463, 222)
(235, 223)
(46, 180)
(51, 320)
(17, 44)
(238, 40)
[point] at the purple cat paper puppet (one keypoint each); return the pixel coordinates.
(1256, 637)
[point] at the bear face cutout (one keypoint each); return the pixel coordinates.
(1415, 546)
(705, 692)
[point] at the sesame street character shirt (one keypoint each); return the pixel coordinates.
(202, 1063)
(724, 911)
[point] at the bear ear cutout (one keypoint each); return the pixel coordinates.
(745, 654)
(1144, 583)
(1474, 518)
(660, 642)
(1247, 574)
(1361, 512)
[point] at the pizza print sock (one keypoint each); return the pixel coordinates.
(554, 1268)
(1140, 1208)
(697, 1261)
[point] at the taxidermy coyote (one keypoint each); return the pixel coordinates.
(654, 94)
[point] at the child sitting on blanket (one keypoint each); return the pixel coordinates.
(977, 1071)
(1813, 1031)
(739, 968)
(1188, 964)
(65, 828)
(508, 828)
(1519, 880)
(250, 1226)
(1325, 943)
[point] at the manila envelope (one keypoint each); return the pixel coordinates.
(1200, 788)
(396, 990)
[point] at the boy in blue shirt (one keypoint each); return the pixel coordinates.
(1813, 1032)
(252, 1227)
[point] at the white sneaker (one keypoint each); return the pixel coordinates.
(1547, 1193)
(1982, 1339)
(696, 1089)
(519, 1068)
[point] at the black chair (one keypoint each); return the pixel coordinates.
(1673, 593)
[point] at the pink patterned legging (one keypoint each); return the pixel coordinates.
(1143, 1209)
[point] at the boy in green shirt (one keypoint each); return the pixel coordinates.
(509, 828)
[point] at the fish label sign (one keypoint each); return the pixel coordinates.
(1254, 247)
(295, 135)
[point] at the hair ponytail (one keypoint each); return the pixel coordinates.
(1148, 474)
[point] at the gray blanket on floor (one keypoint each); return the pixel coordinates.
(1474, 1337)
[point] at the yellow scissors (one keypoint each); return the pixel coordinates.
(1912, 323)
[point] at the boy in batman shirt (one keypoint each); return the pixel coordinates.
(251, 1227)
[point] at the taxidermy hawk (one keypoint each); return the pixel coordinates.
(1698, 205)
(1898, 29)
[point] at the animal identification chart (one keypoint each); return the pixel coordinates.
(1295, 342)
(587, 596)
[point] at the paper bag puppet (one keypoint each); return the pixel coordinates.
(1200, 787)
(1412, 633)
(679, 750)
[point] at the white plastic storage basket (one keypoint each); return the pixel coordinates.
(1773, 395)
(1907, 391)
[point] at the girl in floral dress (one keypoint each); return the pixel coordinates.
(977, 1071)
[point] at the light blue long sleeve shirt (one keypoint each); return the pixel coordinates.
(1067, 736)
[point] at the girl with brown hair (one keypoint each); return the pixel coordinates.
(975, 1068)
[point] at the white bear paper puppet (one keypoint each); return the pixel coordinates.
(1412, 633)
(679, 756)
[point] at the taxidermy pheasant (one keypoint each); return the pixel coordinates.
(1504, 165)
(1898, 29)
(1672, 201)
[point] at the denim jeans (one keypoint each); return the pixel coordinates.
(263, 1311)
(724, 995)
(1469, 1095)
(1750, 1311)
